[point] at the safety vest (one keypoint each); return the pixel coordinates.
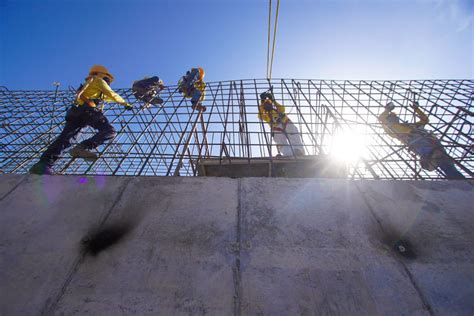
(277, 117)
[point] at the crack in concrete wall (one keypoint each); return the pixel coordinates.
(50, 305)
(407, 271)
(237, 273)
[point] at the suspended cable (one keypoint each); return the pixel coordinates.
(269, 31)
(274, 39)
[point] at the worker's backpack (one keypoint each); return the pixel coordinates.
(187, 82)
(147, 90)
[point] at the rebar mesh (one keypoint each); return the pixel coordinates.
(170, 139)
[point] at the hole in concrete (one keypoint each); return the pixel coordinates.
(105, 237)
(404, 248)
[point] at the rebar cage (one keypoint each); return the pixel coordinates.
(336, 119)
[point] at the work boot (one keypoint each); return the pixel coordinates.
(41, 168)
(80, 151)
(198, 107)
(156, 101)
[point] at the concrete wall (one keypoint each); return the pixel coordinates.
(246, 246)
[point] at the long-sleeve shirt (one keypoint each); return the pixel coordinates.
(188, 91)
(200, 85)
(402, 131)
(96, 88)
(190, 81)
(275, 117)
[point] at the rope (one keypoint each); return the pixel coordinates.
(270, 68)
(268, 41)
(274, 38)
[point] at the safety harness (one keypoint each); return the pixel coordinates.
(280, 121)
(97, 102)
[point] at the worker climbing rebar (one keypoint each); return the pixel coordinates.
(148, 90)
(86, 111)
(192, 86)
(420, 141)
(284, 132)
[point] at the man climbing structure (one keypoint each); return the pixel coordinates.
(84, 112)
(284, 132)
(148, 89)
(192, 86)
(419, 141)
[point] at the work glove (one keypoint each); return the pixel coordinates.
(390, 106)
(128, 106)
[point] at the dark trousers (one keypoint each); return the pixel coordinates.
(450, 170)
(195, 96)
(78, 117)
(427, 147)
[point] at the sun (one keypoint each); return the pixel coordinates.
(348, 144)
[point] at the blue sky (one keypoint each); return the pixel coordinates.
(46, 41)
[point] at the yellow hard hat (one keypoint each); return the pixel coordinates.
(201, 73)
(100, 69)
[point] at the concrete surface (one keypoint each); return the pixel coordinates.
(285, 166)
(251, 246)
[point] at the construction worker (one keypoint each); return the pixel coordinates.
(84, 112)
(148, 89)
(192, 86)
(284, 132)
(420, 141)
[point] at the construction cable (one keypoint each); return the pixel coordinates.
(270, 64)
(274, 38)
(268, 40)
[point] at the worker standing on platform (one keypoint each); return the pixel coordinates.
(192, 86)
(284, 132)
(420, 141)
(84, 112)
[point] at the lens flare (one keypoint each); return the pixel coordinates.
(349, 144)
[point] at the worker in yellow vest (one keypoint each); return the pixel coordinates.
(192, 86)
(419, 141)
(86, 111)
(284, 132)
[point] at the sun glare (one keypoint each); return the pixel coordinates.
(348, 144)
